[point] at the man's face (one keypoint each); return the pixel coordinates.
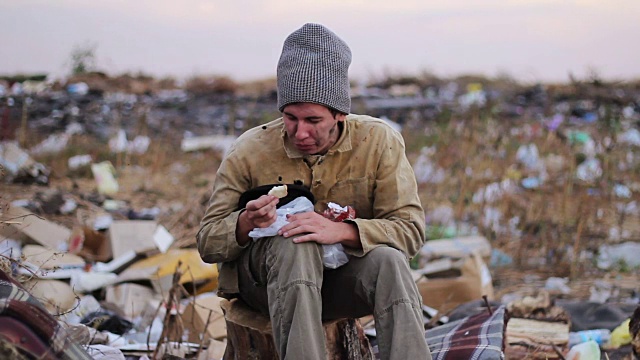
(311, 128)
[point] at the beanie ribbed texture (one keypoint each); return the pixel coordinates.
(314, 67)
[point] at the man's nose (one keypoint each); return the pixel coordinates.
(302, 130)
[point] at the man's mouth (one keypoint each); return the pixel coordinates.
(304, 146)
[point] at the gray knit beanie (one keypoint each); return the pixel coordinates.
(314, 67)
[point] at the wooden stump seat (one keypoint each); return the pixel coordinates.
(249, 336)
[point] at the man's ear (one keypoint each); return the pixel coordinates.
(341, 117)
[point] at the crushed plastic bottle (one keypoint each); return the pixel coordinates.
(600, 336)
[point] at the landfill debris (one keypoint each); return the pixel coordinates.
(216, 142)
(623, 254)
(140, 236)
(557, 284)
(467, 280)
(78, 161)
(54, 144)
(585, 351)
(600, 336)
(197, 276)
(18, 166)
(620, 335)
(204, 319)
(104, 173)
(545, 173)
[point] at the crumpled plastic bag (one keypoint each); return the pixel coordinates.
(334, 255)
(298, 205)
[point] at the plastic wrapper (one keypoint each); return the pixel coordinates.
(334, 255)
(298, 205)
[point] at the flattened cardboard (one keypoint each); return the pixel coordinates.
(159, 269)
(56, 296)
(43, 232)
(141, 236)
(444, 294)
(50, 259)
(131, 298)
(195, 315)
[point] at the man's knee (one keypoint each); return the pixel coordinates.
(285, 252)
(388, 259)
(393, 273)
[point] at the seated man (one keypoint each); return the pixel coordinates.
(346, 159)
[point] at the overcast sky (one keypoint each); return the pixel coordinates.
(529, 39)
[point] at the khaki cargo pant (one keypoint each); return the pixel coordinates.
(288, 282)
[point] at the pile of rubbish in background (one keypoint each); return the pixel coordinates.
(530, 194)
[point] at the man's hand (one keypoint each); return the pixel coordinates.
(317, 228)
(259, 213)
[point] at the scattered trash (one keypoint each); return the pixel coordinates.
(557, 284)
(622, 191)
(78, 161)
(531, 183)
(575, 159)
(19, 167)
(620, 336)
(499, 259)
(118, 143)
(631, 137)
(80, 89)
(624, 255)
(599, 336)
(425, 170)
(528, 156)
(52, 145)
(215, 142)
(589, 170)
(585, 351)
(104, 174)
(105, 320)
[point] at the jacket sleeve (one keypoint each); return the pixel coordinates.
(398, 219)
(217, 235)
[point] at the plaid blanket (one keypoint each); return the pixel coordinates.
(477, 337)
(29, 326)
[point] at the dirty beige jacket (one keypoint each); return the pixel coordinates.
(367, 168)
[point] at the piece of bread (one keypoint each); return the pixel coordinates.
(278, 191)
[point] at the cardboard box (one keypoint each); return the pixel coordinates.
(90, 244)
(445, 291)
(195, 315)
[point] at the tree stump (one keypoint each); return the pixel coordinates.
(249, 336)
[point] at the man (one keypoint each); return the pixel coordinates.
(345, 159)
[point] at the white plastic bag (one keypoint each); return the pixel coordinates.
(298, 205)
(334, 255)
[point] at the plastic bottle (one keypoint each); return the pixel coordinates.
(600, 336)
